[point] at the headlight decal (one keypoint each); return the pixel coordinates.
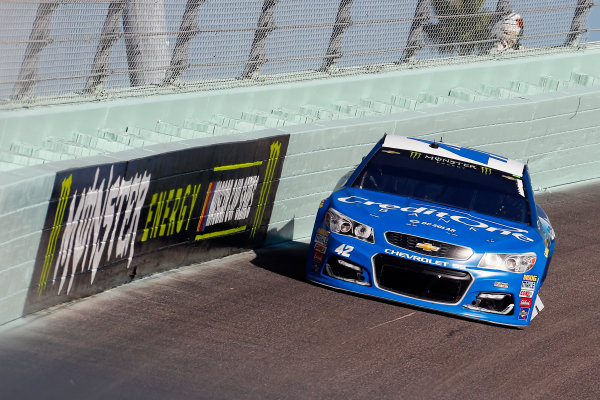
(518, 262)
(343, 225)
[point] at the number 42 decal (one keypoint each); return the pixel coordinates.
(344, 250)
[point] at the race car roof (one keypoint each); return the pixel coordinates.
(455, 152)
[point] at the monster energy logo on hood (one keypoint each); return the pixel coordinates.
(469, 221)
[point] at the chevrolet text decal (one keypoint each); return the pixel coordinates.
(425, 260)
(471, 222)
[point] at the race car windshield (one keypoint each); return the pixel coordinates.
(446, 181)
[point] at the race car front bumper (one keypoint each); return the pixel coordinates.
(457, 288)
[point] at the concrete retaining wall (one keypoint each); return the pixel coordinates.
(544, 111)
(558, 135)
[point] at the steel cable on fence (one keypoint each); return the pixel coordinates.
(277, 27)
(180, 62)
(286, 59)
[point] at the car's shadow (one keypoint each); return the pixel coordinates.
(288, 259)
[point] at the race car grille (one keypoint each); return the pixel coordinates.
(418, 280)
(427, 246)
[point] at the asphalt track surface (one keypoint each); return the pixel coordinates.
(250, 327)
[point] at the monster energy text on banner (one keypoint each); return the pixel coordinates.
(100, 226)
(101, 219)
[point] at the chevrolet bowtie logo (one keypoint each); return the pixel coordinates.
(427, 247)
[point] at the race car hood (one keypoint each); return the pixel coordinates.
(385, 212)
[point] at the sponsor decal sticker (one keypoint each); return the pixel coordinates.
(473, 223)
(320, 248)
(526, 293)
(532, 278)
(323, 232)
(525, 302)
(475, 155)
(524, 313)
(503, 285)
(450, 162)
(528, 285)
(414, 222)
(321, 239)
(318, 257)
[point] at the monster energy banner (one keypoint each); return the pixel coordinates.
(108, 223)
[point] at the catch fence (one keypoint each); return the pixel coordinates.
(77, 50)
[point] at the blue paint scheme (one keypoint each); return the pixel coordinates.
(482, 233)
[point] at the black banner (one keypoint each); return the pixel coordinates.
(108, 223)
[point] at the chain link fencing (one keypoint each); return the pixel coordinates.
(79, 50)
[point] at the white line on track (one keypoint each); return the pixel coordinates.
(397, 319)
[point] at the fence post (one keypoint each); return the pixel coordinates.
(180, 61)
(579, 23)
(266, 25)
(39, 38)
(146, 41)
(335, 51)
(111, 32)
(415, 37)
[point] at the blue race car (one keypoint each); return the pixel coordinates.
(437, 226)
